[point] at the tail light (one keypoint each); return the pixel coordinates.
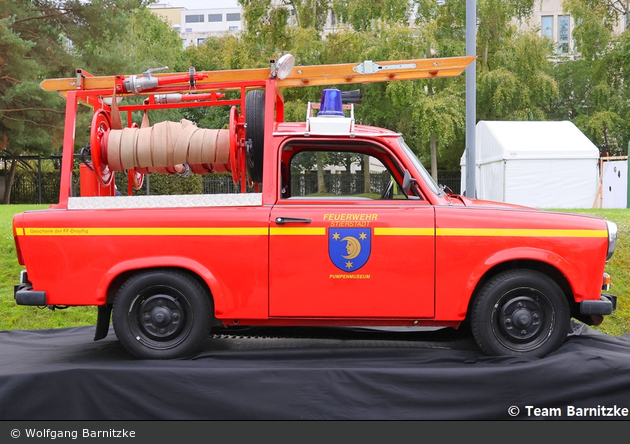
(18, 250)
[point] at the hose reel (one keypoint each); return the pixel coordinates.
(166, 147)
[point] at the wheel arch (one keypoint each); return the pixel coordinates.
(526, 264)
(544, 262)
(120, 273)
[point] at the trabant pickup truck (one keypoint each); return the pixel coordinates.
(377, 243)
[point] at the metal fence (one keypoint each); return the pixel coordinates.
(29, 189)
(451, 179)
(305, 184)
(221, 184)
(338, 184)
(40, 183)
(36, 179)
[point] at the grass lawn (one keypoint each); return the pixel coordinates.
(14, 317)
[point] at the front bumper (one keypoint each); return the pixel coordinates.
(25, 295)
(606, 305)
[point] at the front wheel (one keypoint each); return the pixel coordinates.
(162, 315)
(520, 312)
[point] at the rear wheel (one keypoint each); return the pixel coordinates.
(520, 312)
(162, 315)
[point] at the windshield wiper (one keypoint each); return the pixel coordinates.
(445, 189)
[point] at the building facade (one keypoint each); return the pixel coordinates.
(195, 25)
(552, 22)
(198, 24)
(168, 13)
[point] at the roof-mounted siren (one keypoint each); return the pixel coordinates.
(331, 118)
(348, 97)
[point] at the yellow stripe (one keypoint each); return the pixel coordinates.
(517, 232)
(307, 231)
(381, 231)
(149, 231)
(297, 231)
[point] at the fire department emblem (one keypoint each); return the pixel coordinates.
(349, 248)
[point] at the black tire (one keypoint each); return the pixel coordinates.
(255, 133)
(520, 312)
(162, 315)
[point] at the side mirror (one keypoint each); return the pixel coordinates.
(407, 181)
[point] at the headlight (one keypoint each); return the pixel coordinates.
(612, 238)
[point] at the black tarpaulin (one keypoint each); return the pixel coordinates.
(310, 374)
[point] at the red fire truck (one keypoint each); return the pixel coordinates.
(385, 247)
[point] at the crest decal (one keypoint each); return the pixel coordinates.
(349, 248)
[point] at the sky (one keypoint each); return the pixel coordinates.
(201, 4)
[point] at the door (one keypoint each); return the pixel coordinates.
(349, 254)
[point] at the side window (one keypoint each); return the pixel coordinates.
(546, 25)
(338, 174)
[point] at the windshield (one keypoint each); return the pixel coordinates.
(423, 172)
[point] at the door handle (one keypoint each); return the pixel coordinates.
(291, 220)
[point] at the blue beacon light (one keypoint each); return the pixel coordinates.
(331, 105)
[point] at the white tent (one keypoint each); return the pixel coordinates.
(536, 164)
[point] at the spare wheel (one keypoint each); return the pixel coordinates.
(255, 133)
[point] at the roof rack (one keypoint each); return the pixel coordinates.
(313, 75)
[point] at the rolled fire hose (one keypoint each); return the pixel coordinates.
(166, 146)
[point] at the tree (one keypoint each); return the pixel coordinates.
(497, 30)
(310, 13)
(29, 118)
(594, 93)
(42, 39)
(595, 21)
(438, 113)
(363, 16)
(142, 41)
(517, 83)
